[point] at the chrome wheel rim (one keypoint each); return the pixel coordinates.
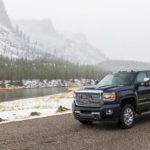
(128, 116)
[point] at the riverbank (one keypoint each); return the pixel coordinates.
(30, 84)
(36, 107)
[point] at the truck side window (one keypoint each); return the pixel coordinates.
(140, 77)
(148, 74)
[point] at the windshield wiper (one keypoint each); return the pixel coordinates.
(106, 85)
(113, 85)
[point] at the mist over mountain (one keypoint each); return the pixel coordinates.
(32, 39)
(39, 38)
(124, 65)
(38, 29)
(73, 47)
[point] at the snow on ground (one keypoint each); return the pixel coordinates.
(43, 106)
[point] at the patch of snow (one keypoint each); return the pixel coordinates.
(22, 109)
(51, 83)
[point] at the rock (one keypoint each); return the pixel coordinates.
(1, 120)
(61, 109)
(35, 114)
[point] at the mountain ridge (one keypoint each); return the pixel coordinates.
(4, 18)
(42, 39)
(73, 47)
(46, 41)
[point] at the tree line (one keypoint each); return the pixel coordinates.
(53, 68)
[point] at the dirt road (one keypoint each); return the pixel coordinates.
(65, 133)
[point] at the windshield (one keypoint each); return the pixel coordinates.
(117, 79)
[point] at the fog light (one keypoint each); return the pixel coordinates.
(109, 111)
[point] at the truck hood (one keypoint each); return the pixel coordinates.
(110, 88)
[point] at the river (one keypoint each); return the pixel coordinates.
(29, 93)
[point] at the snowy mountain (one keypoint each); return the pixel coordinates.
(38, 38)
(71, 47)
(14, 43)
(4, 19)
(33, 39)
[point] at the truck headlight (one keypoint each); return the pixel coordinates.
(109, 96)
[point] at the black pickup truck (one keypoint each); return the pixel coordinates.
(117, 97)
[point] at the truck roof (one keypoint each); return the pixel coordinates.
(132, 71)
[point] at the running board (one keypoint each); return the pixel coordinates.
(145, 113)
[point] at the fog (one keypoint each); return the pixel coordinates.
(120, 29)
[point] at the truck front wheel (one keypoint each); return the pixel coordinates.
(127, 116)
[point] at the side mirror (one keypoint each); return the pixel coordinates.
(96, 82)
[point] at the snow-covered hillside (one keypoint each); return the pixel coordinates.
(15, 43)
(73, 47)
(4, 19)
(33, 39)
(15, 46)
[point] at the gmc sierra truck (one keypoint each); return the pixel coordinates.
(117, 97)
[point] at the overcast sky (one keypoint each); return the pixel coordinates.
(119, 28)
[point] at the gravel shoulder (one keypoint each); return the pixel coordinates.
(63, 132)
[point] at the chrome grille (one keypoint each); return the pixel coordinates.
(88, 99)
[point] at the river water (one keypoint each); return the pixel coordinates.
(29, 93)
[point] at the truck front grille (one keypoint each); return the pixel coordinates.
(88, 99)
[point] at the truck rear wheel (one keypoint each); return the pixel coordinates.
(127, 116)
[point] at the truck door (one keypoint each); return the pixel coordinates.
(143, 91)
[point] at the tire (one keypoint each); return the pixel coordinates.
(85, 122)
(127, 117)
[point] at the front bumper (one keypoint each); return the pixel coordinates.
(105, 112)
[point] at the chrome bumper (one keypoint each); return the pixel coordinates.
(92, 115)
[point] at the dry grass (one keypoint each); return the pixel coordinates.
(10, 90)
(68, 94)
(2, 108)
